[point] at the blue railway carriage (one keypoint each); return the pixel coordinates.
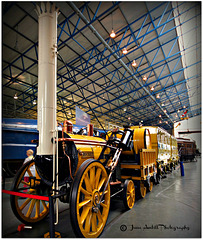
(17, 135)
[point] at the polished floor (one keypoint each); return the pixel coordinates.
(171, 210)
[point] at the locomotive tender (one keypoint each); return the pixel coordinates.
(87, 170)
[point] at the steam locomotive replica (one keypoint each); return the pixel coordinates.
(91, 170)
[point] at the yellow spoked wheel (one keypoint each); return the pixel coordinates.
(28, 210)
(143, 189)
(128, 194)
(88, 211)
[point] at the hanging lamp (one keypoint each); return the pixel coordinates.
(112, 35)
(134, 64)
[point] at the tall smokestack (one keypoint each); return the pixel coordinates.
(47, 70)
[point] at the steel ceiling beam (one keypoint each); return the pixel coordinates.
(115, 60)
(90, 64)
(117, 57)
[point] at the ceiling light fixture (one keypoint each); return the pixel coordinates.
(134, 64)
(112, 35)
(166, 122)
(15, 96)
(125, 51)
(144, 78)
(160, 115)
(165, 110)
(160, 121)
(157, 96)
(162, 104)
(34, 102)
(152, 88)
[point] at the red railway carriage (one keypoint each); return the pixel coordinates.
(186, 149)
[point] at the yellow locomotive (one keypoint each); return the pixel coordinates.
(90, 171)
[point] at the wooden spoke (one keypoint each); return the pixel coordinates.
(101, 183)
(29, 172)
(100, 217)
(44, 205)
(92, 177)
(83, 203)
(85, 192)
(32, 204)
(94, 222)
(84, 214)
(25, 183)
(37, 211)
(97, 177)
(25, 204)
(88, 222)
(87, 183)
(103, 205)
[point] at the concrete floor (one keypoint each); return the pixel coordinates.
(171, 210)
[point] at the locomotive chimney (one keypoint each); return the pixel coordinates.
(47, 70)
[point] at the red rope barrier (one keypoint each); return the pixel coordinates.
(25, 195)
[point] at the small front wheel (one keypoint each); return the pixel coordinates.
(88, 209)
(128, 194)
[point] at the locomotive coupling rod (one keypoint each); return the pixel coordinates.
(115, 162)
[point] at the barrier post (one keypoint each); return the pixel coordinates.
(51, 218)
(182, 169)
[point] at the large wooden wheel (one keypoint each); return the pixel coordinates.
(28, 210)
(128, 194)
(88, 214)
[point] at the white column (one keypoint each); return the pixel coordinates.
(47, 70)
